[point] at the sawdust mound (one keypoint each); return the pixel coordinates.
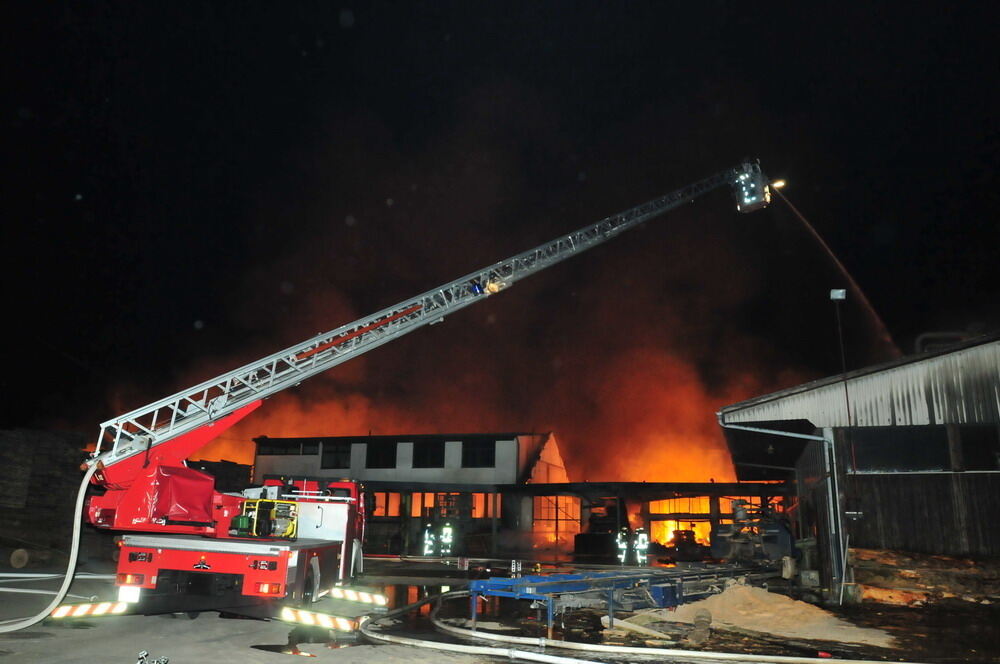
(755, 609)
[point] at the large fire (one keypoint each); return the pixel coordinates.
(649, 418)
(662, 530)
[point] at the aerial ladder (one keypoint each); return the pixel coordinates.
(139, 459)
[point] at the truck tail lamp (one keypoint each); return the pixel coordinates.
(269, 588)
(131, 579)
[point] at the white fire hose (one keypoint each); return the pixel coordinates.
(595, 649)
(378, 635)
(21, 623)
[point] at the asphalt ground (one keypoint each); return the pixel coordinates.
(208, 637)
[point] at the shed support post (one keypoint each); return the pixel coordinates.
(495, 498)
(550, 615)
(955, 447)
(838, 543)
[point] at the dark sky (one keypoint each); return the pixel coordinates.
(190, 186)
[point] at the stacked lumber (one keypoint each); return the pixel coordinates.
(38, 487)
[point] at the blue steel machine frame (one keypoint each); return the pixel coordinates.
(625, 588)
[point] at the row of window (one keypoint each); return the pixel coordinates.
(924, 448)
(287, 447)
(426, 454)
(478, 505)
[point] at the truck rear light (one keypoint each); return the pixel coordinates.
(129, 594)
(140, 556)
(131, 579)
(269, 588)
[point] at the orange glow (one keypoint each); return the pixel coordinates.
(663, 531)
(654, 422)
(640, 414)
(653, 409)
(386, 504)
(288, 416)
(483, 503)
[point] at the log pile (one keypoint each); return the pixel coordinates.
(40, 478)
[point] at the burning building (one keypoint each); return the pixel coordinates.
(424, 483)
(499, 493)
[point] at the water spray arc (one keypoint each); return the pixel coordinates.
(883, 332)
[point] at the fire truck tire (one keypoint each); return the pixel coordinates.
(309, 589)
(357, 560)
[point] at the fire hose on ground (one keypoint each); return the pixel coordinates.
(378, 635)
(21, 623)
(542, 642)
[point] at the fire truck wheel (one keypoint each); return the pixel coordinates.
(308, 589)
(357, 560)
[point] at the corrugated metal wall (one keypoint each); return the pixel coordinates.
(943, 513)
(960, 387)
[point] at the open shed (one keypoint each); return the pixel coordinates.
(902, 456)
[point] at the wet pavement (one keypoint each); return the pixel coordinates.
(954, 632)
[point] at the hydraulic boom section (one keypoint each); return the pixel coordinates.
(137, 434)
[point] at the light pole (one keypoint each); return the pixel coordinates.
(838, 295)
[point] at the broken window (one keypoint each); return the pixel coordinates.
(556, 518)
(336, 455)
(428, 454)
(479, 453)
(381, 455)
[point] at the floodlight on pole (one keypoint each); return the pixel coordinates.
(838, 294)
(778, 184)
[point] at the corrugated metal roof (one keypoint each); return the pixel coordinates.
(958, 386)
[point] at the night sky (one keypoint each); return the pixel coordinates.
(191, 187)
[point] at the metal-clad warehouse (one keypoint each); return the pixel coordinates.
(902, 456)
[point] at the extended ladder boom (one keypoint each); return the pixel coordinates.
(159, 422)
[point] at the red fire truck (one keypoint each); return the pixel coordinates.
(187, 546)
